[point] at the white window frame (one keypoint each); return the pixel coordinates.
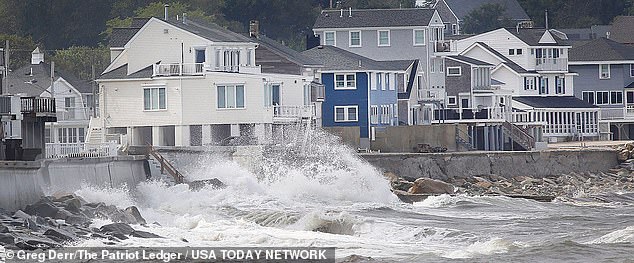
(591, 95)
(455, 100)
(606, 102)
(632, 70)
(616, 103)
(391, 81)
(414, 37)
(449, 74)
(374, 114)
(235, 97)
(560, 89)
(385, 114)
(601, 76)
(454, 29)
(346, 111)
(346, 81)
(158, 94)
(350, 38)
(334, 38)
(378, 38)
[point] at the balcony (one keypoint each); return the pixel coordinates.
(430, 95)
(199, 69)
(293, 113)
(471, 115)
(445, 46)
(73, 113)
(551, 64)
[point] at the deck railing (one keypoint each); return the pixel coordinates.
(37, 105)
(80, 149)
(304, 111)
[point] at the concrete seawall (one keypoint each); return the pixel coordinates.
(506, 164)
(23, 183)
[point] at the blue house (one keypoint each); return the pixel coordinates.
(361, 92)
(606, 79)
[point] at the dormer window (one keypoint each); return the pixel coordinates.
(604, 71)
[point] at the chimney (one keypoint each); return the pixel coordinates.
(185, 18)
(37, 56)
(349, 11)
(546, 23)
(254, 28)
(166, 7)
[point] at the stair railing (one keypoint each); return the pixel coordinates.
(166, 165)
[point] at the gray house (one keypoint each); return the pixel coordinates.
(393, 34)
(606, 79)
(453, 12)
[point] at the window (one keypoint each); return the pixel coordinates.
(346, 113)
(250, 57)
(588, 96)
(602, 97)
(47, 135)
(560, 84)
(385, 114)
(383, 38)
(374, 114)
(271, 95)
(419, 37)
(511, 52)
(345, 81)
(379, 84)
(631, 70)
(199, 55)
(454, 71)
(387, 82)
(529, 83)
(454, 29)
(604, 71)
(330, 38)
(231, 96)
(543, 85)
(451, 100)
(518, 51)
(616, 97)
(355, 39)
(154, 98)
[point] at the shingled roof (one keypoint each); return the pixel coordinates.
(32, 80)
(622, 30)
(334, 58)
(121, 36)
(122, 73)
(374, 18)
(284, 51)
(209, 31)
(462, 8)
(531, 36)
(561, 102)
(514, 66)
(469, 60)
(602, 49)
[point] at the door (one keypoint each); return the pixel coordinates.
(275, 95)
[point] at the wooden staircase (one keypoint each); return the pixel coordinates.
(464, 139)
(519, 135)
(166, 166)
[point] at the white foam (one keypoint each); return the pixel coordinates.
(489, 247)
(119, 197)
(619, 236)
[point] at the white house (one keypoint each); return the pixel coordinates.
(187, 83)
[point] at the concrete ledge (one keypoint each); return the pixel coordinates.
(444, 166)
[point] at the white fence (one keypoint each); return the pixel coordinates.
(80, 149)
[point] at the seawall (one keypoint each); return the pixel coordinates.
(537, 164)
(23, 183)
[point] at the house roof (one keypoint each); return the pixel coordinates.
(554, 102)
(496, 82)
(531, 36)
(334, 58)
(284, 51)
(208, 30)
(602, 49)
(469, 60)
(631, 85)
(122, 73)
(33, 80)
(462, 8)
(374, 18)
(410, 83)
(514, 66)
(622, 29)
(121, 36)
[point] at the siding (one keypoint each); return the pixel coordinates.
(588, 79)
(458, 84)
(358, 96)
(380, 97)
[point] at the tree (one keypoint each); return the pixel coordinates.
(487, 17)
(79, 60)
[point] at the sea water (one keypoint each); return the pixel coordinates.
(321, 194)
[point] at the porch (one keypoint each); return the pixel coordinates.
(198, 69)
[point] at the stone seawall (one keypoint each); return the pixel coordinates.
(23, 183)
(537, 164)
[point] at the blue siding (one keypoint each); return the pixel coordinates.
(588, 79)
(380, 97)
(356, 97)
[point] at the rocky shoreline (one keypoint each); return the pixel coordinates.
(565, 186)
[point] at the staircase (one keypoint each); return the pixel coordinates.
(95, 132)
(464, 139)
(519, 135)
(166, 166)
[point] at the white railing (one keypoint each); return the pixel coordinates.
(612, 113)
(520, 117)
(73, 113)
(304, 111)
(178, 69)
(629, 109)
(445, 46)
(80, 149)
(556, 64)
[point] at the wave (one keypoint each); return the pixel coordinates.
(331, 223)
(479, 248)
(619, 236)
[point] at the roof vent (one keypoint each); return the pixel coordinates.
(349, 11)
(166, 8)
(341, 12)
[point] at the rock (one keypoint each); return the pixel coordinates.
(184, 240)
(117, 228)
(390, 176)
(483, 184)
(33, 242)
(356, 259)
(623, 155)
(21, 214)
(73, 205)
(62, 214)
(199, 184)
(43, 208)
(401, 184)
(31, 224)
(60, 235)
(4, 229)
(430, 186)
(134, 212)
(78, 220)
(143, 234)
(6, 239)
(114, 214)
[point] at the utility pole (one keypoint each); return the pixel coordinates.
(5, 75)
(53, 85)
(94, 93)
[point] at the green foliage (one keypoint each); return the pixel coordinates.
(374, 4)
(487, 17)
(79, 60)
(575, 13)
(20, 49)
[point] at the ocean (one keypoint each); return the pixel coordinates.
(320, 194)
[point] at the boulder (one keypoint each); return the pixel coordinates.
(113, 213)
(134, 212)
(6, 239)
(483, 184)
(430, 186)
(62, 214)
(623, 155)
(390, 176)
(401, 184)
(60, 235)
(199, 184)
(143, 234)
(73, 205)
(4, 229)
(44, 208)
(33, 242)
(78, 220)
(117, 228)
(20, 214)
